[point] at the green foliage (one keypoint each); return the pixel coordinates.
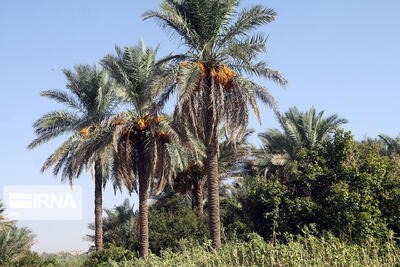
(390, 145)
(217, 35)
(14, 244)
(343, 187)
(170, 221)
(306, 250)
(299, 130)
(90, 99)
(33, 259)
(119, 226)
(102, 257)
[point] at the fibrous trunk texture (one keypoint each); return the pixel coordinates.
(198, 196)
(211, 130)
(143, 208)
(98, 205)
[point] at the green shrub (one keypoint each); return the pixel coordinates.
(103, 256)
(15, 244)
(170, 220)
(33, 259)
(343, 187)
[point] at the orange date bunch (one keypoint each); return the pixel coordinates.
(88, 131)
(222, 75)
(139, 126)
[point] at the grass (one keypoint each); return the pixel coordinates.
(305, 251)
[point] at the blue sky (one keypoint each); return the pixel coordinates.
(340, 56)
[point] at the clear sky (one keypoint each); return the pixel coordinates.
(340, 56)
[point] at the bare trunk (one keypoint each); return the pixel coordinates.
(213, 195)
(143, 208)
(98, 205)
(198, 196)
(211, 131)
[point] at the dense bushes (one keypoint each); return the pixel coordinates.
(305, 250)
(33, 259)
(103, 257)
(345, 193)
(343, 187)
(170, 220)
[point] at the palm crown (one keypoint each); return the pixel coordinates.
(140, 132)
(300, 130)
(91, 100)
(220, 51)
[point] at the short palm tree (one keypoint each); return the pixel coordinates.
(14, 242)
(300, 130)
(4, 223)
(213, 89)
(193, 177)
(119, 225)
(91, 100)
(144, 142)
(391, 145)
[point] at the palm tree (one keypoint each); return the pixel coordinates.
(192, 178)
(91, 100)
(144, 142)
(300, 130)
(14, 242)
(392, 145)
(4, 223)
(119, 225)
(210, 78)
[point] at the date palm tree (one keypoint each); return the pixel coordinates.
(192, 179)
(300, 129)
(213, 77)
(14, 242)
(119, 225)
(91, 100)
(4, 223)
(144, 142)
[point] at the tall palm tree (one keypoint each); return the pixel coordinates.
(91, 100)
(144, 142)
(300, 130)
(213, 89)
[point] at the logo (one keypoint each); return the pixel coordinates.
(43, 202)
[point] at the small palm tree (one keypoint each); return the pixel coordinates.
(391, 145)
(119, 225)
(14, 242)
(193, 177)
(4, 223)
(91, 100)
(300, 129)
(213, 89)
(144, 142)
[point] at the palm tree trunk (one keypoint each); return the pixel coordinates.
(98, 205)
(213, 195)
(211, 131)
(198, 195)
(143, 208)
